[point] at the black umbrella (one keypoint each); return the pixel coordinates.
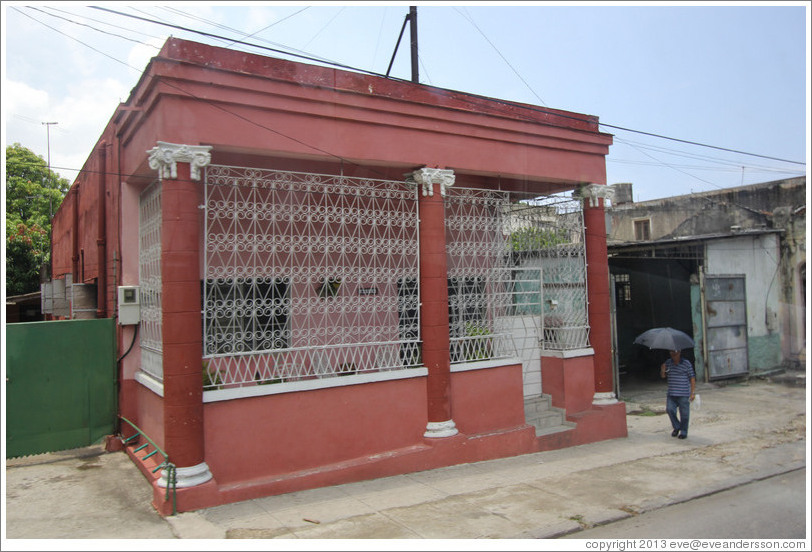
(665, 338)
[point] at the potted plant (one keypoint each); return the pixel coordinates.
(481, 346)
(553, 329)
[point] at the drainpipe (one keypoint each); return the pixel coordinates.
(703, 307)
(101, 282)
(75, 234)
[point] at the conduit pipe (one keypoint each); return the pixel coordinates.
(75, 235)
(101, 282)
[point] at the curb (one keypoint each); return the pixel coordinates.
(681, 500)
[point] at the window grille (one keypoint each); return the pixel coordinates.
(247, 314)
(307, 276)
(623, 290)
(467, 317)
(149, 277)
(553, 241)
(513, 257)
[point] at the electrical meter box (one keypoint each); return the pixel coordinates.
(129, 305)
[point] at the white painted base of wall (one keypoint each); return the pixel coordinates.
(441, 429)
(604, 398)
(187, 477)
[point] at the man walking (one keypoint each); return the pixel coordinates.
(681, 388)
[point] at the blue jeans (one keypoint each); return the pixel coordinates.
(683, 404)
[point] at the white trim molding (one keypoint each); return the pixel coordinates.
(165, 158)
(568, 353)
(214, 395)
(604, 398)
(484, 364)
(427, 177)
(187, 477)
(441, 429)
(150, 382)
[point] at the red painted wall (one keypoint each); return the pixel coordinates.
(488, 400)
(286, 109)
(258, 437)
(569, 381)
(149, 413)
(80, 236)
(62, 235)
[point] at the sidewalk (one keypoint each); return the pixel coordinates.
(741, 433)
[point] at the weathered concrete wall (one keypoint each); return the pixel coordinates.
(793, 280)
(757, 257)
(764, 352)
(715, 212)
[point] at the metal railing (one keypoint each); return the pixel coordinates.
(171, 475)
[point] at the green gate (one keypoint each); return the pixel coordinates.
(60, 385)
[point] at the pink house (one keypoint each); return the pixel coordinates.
(341, 276)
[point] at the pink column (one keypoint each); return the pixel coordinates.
(434, 299)
(598, 298)
(181, 319)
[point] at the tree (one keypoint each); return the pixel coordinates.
(33, 194)
(533, 238)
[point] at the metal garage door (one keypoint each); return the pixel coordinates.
(726, 326)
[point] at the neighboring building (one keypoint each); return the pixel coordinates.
(340, 276)
(24, 308)
(728, 267)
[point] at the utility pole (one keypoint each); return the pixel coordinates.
(413, 33)
(411, 19)
(48, 127)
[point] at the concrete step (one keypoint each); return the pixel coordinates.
(540, 413)
(566, 426)
(545, 419)
(538, 404)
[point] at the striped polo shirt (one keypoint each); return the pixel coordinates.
(679, 377)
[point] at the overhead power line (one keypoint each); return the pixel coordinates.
(471, 21)
(76, 39)
(525, 106)
(442, 90)
(691, 142)
(236, 41)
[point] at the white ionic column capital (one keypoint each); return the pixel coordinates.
(594, 192)
(187, 477)
(165, 158)
(441, 429)
(604, 398)
(427, 178)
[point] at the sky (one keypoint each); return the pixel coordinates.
(666, 79)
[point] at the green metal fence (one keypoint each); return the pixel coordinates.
(60, 385)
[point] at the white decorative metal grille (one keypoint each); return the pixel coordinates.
(548, 236)
(478, 274)
(307, 276)
(149, 276)
(516, 269)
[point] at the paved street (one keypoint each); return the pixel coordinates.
(773, 508)
(742, 433)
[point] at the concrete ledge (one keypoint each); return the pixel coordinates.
(434, 453)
